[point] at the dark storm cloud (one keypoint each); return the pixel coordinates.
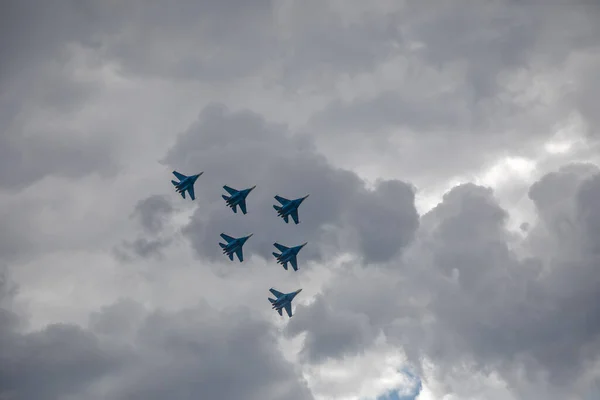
(198, 352)
(467, 298)
(241, 149)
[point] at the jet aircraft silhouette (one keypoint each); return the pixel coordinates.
(289, 208)
(185, 183)
(283, 300)
(234, 245)
(237, 198)
(288, 254)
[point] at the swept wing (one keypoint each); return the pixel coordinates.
(179, 175)
(280, 247)
(282, 200)
(231, 191)
(228, 238)
(294, 215)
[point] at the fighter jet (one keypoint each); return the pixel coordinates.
(289, 207)
(288, 254)
(283, 301)
(237, 198)
(185, 183)
(234, 245)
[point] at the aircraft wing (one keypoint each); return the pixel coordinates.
(179, 175)
(276, 293)
(191, 191)
(294, 215)
(239, 254)
(294, 263)
(231, 191)
(228, 238)
(288, 309)
(282, 200)
(280, 247)
(242, 205)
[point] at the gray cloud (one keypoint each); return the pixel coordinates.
(467, 83)
(131, 353)
(142, 247)
(240, 149)
(152, 212)
(38, 86)
(468, 298)
(439, 90)
(333, 333)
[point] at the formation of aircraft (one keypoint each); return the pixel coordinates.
(288, 254)
(234, 246)
(283, 300)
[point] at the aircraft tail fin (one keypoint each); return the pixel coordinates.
(280, 311)
(175, 183)
(277, 255)
(276, 207)
(225, 197)
(271, 300)
(222, 245)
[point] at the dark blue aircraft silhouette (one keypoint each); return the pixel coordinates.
(288, 254)
(237, 198)
(289, 207)
(284, 300)
(234, 245)
(185, 183)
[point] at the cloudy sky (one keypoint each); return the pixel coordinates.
(450, 150)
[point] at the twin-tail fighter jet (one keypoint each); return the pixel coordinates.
(185, 183)
(234, 245)
(289, 208)
(288, 254)
(284, 300)
(237, 198)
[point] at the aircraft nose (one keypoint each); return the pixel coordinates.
(252, 188)
(304, 244)
(298, 291)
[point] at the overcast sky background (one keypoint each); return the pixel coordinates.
(450, 150)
